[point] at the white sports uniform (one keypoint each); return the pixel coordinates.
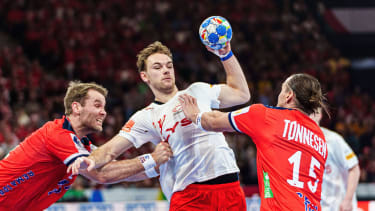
(197, 155)
(340, 159)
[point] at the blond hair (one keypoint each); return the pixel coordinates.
(155, 47)
(77, 92)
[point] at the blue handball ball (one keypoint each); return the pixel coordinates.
(215, 32)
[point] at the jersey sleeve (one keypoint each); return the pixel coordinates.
(66, 146)
(139, 129)
(248, 120)
(206, 92)
(343, 153)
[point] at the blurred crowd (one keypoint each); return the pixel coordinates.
(61, 40)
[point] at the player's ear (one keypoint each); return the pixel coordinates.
(76, 107)
(290, 96)
(144, 76)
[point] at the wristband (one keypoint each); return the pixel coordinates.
(147, 161)
(151, 172)
(198, 121)
(230, 54)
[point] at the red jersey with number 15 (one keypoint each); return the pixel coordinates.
(34, 176)
(291, 154)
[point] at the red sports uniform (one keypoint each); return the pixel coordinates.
(291, 154)
(34, 176)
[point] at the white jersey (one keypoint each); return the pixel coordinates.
(340, 159)
(197, 155)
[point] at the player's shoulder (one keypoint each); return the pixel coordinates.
(199, 86)
(262, 107)
(52, 126)
(276, 108)
(144, 112)
(331, 135)
(254, 108)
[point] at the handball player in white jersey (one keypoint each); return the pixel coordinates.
(202, 174)
(341, 174)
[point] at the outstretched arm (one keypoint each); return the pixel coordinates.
(115, 171)
(353, 179)
(110, 151)
(211, 121)
(235, 91)
(124, 170)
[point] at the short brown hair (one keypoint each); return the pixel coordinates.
(77, 92)
(155, 47)
(308, 93)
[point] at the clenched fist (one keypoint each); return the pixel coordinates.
(162, 153)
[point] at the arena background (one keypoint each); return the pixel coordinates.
(46, 43)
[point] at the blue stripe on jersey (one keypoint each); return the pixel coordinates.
(72, 160)
(231, 123)
(67, 125)
(280, 108)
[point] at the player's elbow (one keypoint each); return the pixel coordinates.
(246, 96)
(101, 176)
(101, 180)
(243, 96)
(105, 179)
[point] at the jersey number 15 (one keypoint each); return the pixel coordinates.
(295, 160)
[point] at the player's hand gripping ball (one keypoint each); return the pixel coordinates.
(215, 32)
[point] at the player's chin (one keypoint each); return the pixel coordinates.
(98, 128)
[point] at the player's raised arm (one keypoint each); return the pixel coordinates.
(215, 32)
(236, 90)
(211, 121)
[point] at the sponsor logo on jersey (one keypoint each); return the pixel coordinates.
(267, 187)
(13, 184)
(61, 186)
(350, 156)
(128, 126)
(308, 205)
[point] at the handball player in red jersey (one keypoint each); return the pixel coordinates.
(34, 175)
(291, 149)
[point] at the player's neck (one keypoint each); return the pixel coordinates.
(293, 105)
(165, 96)
(78, 128)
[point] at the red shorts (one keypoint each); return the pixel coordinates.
(229, 196)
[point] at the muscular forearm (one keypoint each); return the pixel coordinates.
(102, 156)
(216, 121)
(137, 177)
(115, 171)
(109, 151)
(353, 179)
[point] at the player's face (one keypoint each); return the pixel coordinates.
(159, 72)
(93, 111)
